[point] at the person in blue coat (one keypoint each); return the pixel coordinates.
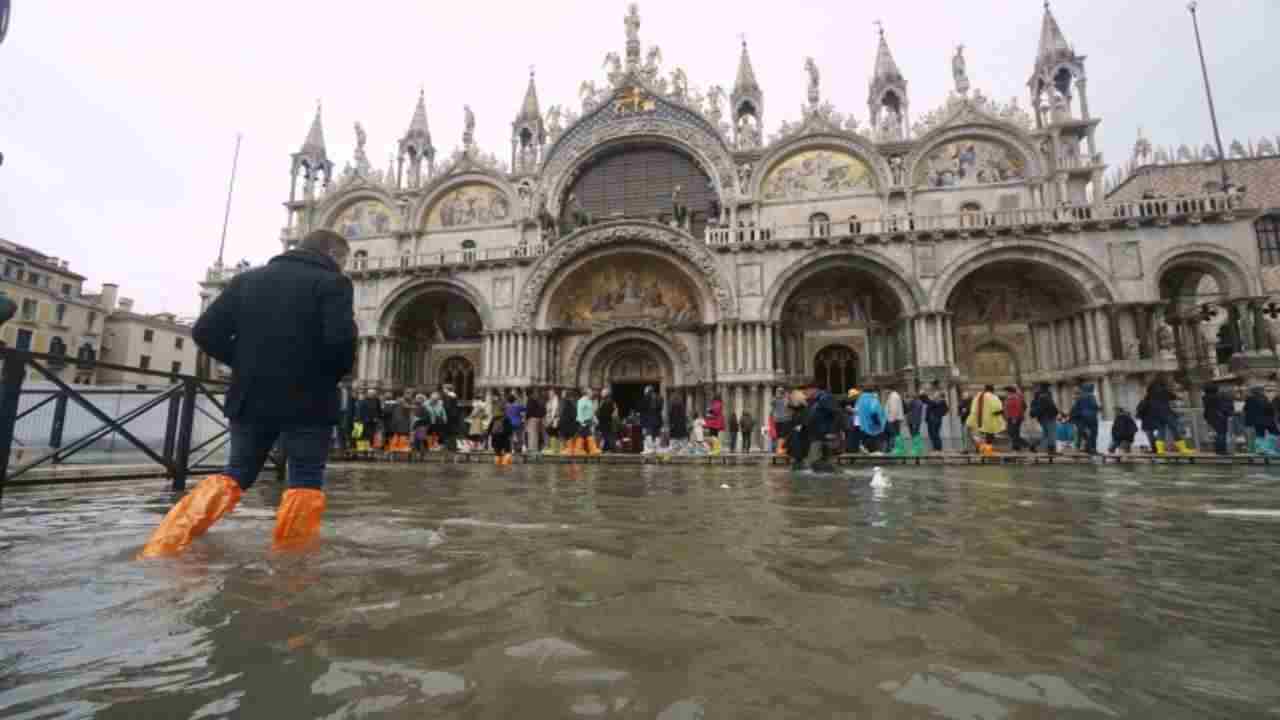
(871, 419)
(1084, 414)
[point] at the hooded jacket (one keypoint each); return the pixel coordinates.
(893, 410)
(1043, 406)
(871, 418)
(1258, 411)
(1124, 429)
(986, 414)
(1218, 407)
(1085, 409)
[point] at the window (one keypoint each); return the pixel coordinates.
(855, 227)
(148, 335)
(12, 270)
(1268, 229)
(177, 343)
(29, 308)
(34, 278)
(468, 251)
(362, 260)
(85, 355)
(144, 362)
(66, 289)
(60, 313)
(25, 338)
(819, 225)
(58, 348)
(177, 367)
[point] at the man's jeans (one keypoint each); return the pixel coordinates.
(306, 446)
(1049, 435)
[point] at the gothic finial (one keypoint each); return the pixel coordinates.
(880, 26)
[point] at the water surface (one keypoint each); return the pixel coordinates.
(974, 593)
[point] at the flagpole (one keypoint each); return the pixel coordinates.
(1213, 114)
(226, 217)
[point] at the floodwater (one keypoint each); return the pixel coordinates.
(973, 593)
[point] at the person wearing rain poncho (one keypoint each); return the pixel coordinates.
(986, 419)
(871, 419)
(288, 332)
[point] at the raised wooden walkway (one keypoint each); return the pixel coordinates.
(72, 473)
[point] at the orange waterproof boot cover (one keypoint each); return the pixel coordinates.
(497, 459)
(194, 514)
(298, 519)
(592, 448)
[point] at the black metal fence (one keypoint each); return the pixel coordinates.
(177, 425)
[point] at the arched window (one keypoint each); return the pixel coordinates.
(460, 373)
(361, 260)
(468, 251)
(85, 356)
(405, 260)
(1268, 229)
(855, 225)
(819, 225)
(970, 214)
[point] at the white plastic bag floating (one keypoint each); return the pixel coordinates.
(1141, 441)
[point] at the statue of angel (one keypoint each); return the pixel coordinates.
(587, 91)
(553, 120)
(653, 59)
(715, 94)
(812, 68)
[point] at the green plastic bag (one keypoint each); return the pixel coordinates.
(917, 446)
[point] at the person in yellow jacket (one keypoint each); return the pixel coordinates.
(288, 331)
(986, 418)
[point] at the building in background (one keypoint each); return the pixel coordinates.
(157, 342)
(54, 316)
(648, 233)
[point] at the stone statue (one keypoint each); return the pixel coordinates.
(469, 126)
(653, 62)
(896, 167)
(553, 121)
(715, 94)
(812, 68)
(632, 23)
(1236, 150)
(587, 91)
(744, 177)
(1266, 147)
(958, 71)
(1165, 342)
(679, 84)
(362, 167)
(613, 64)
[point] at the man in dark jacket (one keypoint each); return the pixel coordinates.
(288, 332)
(604, 420)
(1045, 410)
(935, 412)
(651, 419)
(1259, 419)
(1123, 431)
(1218, 410)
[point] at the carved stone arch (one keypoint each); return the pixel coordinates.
(851, 143)
(991, 340)
(1092, 281)
(412, 288)
(619, 235)
(677, 352)
(606, 127)
(1224, 265)
(910, 295)
(983, 127)
(441, 186)
(332, 205)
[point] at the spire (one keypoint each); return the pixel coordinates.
(314, 144)
(418, 125)
(529, 111)
(886, 69)
(1052, 42)
(746, 82)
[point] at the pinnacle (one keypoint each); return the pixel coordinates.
(886, 68)
(315, 137)
(529, 108)
(418, 125)
(746, 81)
(1052, 41)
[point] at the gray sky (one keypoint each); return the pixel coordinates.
(118, 120)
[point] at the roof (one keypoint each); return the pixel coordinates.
(886, 67)
(314, 144)
(1260, 177)
(35, 257)
(529, 111)
(160, 320)
(746, 82)
(1053, 44)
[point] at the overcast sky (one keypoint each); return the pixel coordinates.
(118, 120)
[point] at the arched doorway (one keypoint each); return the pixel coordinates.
(843, 307)
(638, 180)
(461, 374)
(629, 368)
(1207, 329)
(1013, 314)
(436, 338)
(835, 368)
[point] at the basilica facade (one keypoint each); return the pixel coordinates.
(653, 234)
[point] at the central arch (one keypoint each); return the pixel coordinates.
(658, 244)
(597, 362)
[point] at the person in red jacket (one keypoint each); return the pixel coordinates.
(1015, 410)
(715, 424)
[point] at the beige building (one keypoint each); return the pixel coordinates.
(158, 342)
(53, 315)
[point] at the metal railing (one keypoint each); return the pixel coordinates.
(445, 258)
(1169, 208)
(47, 412)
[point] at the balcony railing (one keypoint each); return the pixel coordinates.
(980, 220)
(445, 258)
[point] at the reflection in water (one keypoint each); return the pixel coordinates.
(659, 591)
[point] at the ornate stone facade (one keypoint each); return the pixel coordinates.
(971, 245)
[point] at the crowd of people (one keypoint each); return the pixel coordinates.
(808, 424)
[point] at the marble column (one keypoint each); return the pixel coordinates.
(522, 355)
(740, 348)
(720, 353)
(1108, 399)
(769, 363)
(1103, 322)
(738, 400)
